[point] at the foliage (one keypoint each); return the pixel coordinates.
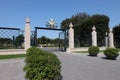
(41, 65)
(53, 42)
(43, 40)
(116, 32)
(93, 50)
(19, 41)
(111, 53)
(83, 24)
(6, 43)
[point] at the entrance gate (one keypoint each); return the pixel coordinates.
(62, 37)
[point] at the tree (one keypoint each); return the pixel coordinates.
(76, 20)
(116, 32)
(19, 40)
(43, 40)
(83, 24)
(5, 43)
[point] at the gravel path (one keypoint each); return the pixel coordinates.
(74, 67)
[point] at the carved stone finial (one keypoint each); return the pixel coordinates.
(27, 20)
(93, 28)
(70, 25)
(51, 23)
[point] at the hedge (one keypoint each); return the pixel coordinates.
(93, 50)
(111, 53)
(42, 65)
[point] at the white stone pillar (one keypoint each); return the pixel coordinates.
(71, 38)
(27, 34)
(94, 37)
(106, 39)
(111, 41)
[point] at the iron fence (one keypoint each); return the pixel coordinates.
(11, 38)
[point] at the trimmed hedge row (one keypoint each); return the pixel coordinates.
(110, 53)
(42, 65)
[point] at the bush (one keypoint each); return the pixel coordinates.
(41, 65)
(111, 53)
(93, 50)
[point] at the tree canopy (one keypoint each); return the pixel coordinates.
(19, 40)
(116, 32)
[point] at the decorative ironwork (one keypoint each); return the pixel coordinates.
(61, 41)
(8, 32)
(32, 38)
(51, 24)
(9, 37)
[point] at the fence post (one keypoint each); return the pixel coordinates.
(27, 34)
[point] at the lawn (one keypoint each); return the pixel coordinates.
(12, 56)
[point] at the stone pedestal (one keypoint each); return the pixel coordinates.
(27, 34)
(94, 37)
(111, 41)
(71, 38)
(68, 50)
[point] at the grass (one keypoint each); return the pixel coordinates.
(12, 56)
(87, 51)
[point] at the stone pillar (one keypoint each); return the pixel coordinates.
(106, 40)
(27, 34)
(111, 41)
(71, 38)
(94, 37)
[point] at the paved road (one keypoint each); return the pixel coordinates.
(83, 67)
(74, 67)
(12, 69)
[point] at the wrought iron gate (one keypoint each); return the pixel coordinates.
(62, 37)
(63, 41)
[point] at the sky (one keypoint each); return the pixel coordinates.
(14, 12)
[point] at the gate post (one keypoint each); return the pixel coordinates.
(71, 38)
(94, 37)
(106, 40)
(111, 40)
(27, 34)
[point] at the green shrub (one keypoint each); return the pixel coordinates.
(41, 65)
(93, 50)
(111, 53)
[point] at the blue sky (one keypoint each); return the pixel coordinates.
(14, 12)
